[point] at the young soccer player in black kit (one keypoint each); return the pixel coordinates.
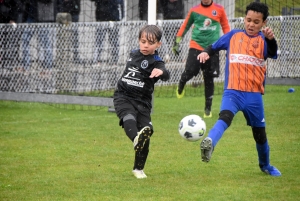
(133, 96)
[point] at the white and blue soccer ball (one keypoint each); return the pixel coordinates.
(192, 128)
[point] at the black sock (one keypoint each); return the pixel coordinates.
(181, 86)
(208, 104)
(130, 128)
(141, 157)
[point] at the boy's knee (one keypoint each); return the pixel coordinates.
(226, 116)
(259, 134)
(128, 117)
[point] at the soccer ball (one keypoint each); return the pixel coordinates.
(192, 128)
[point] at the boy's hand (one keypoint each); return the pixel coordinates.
(175, 48)
(156, 73)
(268, 33)
(203, 57)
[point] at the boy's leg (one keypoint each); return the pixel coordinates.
(127, 115)
(142, 140)
(138, 138)
(192, 68)
(142, 137)
(263, 151)
(144, 126)
(255, 118)
(141, 157)
(208, 144)
(211, 69)
(129, 112)
(229, 107)
(141, 145)
(209, 93)
(141, 153)
(130, 126)
(140, 161)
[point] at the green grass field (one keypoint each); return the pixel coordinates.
(51, 153)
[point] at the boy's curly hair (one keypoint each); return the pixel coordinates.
(260, 8)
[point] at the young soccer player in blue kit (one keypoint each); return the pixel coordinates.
(133, 96)
(247, 51)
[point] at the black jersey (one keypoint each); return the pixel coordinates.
(135, 82)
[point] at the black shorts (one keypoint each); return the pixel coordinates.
(140, 111)
(210, 68)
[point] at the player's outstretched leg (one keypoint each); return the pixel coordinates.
(263, 151)
(206, 148)
(140, 161)
(141, 138)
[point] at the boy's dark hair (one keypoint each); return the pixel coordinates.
(152, 32)
(260, 8)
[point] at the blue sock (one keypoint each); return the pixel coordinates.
(217, 131)
(263, 152)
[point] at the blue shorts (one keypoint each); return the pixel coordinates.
(251, 104)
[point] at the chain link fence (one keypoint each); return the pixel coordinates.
(88, 58)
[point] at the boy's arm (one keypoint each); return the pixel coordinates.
(206, 54)
(271, 42)
(272, 47)
(209, 50)
(161, 72)
(166, 75)
(221, 44)
(224, 23)
(187, 23)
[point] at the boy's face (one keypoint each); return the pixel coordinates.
(148, 47)
(253, 22)
(206, 2)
